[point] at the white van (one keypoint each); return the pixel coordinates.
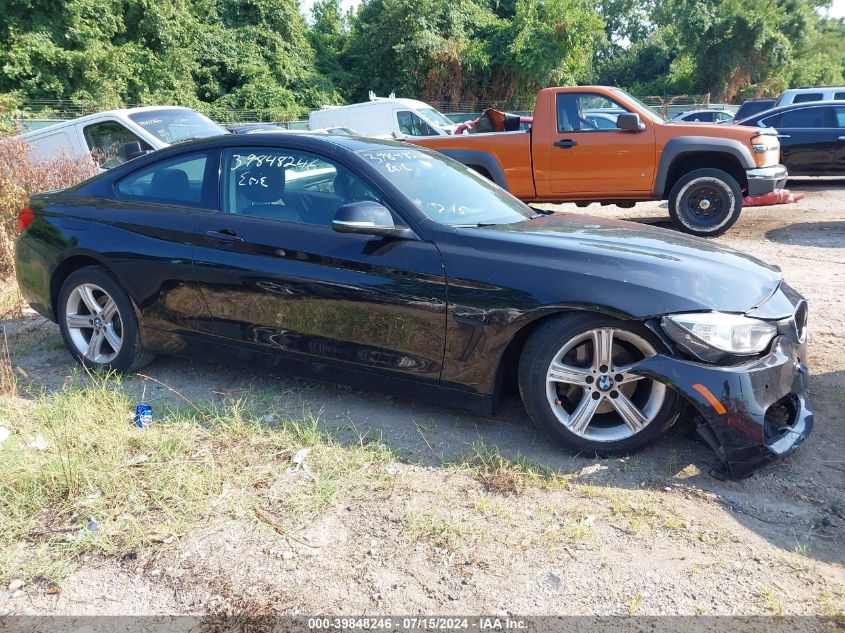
(805, 95)
(382, 117)
(106, 134)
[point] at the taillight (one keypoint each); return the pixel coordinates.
(25, 218)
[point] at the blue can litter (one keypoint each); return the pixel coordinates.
(143, 416)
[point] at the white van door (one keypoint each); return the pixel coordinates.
(106, 140)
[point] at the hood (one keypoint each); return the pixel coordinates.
(722, 130)
(636, 269)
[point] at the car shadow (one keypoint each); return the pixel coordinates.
(787, 502)
(819, 234)
(814, 183)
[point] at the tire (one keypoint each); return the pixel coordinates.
(586, 383)
(93, 303)
(705, 202)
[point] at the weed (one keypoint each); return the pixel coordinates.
(76, 476)
(8, 381)
(449, 532)
(773, 603)
(634, 607)
(505, 476)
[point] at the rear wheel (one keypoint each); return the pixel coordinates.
(575, 382)
(705, 202)
(98, 321)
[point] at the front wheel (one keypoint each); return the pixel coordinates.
(576, 384)
(98, 322)
(705, 202)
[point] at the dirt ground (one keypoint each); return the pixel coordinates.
(654, 534)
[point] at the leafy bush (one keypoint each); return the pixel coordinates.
(20, 178)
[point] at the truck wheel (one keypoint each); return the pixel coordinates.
(705, 202)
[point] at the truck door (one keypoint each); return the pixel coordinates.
(590, 156)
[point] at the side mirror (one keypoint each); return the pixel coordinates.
(132, 150)
(630, 122)
(366, 218)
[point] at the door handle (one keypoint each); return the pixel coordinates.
(842, 138)
(225, 235)
(565, 143)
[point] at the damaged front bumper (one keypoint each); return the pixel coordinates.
(751, 413)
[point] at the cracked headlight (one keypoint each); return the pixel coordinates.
(728, 333)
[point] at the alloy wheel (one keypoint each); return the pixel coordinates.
(591, 390)
(94, 324)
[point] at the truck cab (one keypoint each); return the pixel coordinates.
(600, 144)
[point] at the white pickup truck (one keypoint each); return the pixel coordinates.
(111, 136)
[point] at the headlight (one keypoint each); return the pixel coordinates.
(730, 333)
(763, 143)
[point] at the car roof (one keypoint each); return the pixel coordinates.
(796, 106)
(96, 115)
(304, 142)
(704, 110)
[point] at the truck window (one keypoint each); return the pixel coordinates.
(586, 112)
(107, 143)
(807, 118)
(412, 125)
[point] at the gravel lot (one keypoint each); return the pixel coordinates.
(648, 534)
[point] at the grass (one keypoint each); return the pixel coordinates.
(773, 603)
(8, 381)
(508, 476)
(446, 531)
(139, 486)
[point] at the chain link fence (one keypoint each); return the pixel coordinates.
(37, 113)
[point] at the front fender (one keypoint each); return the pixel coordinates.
(685, 145)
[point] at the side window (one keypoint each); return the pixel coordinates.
(179, 181)
(839, 96)
(413, 125)
(584, 112)
(107, 142)
(772, 121)
(805, 118)
(288, 185)
(723, 116)
(807, 97)
(840, 117)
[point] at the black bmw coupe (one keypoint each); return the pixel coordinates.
(379, 264)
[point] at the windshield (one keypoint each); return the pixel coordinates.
(651, 112)
(446, 191)
(174, 125)
(435, 117)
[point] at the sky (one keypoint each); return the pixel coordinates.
(837, 9)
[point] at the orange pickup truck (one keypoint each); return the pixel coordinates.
(600, 144)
